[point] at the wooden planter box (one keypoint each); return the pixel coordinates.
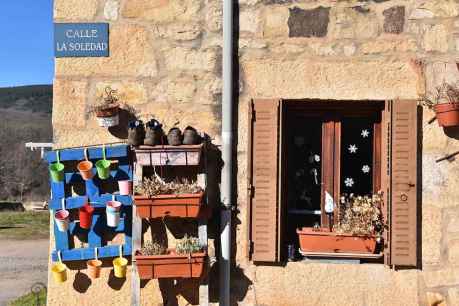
(171, 205)
(329, 242)
(171, 265)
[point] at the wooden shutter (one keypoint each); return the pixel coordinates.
(403, 183)
(264, 174)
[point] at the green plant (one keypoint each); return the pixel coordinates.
(445, 93)
(153, 248)
(360, 215)
(154, 186)
(188, 245)
(110, 100)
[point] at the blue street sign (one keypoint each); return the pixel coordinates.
(81, 40)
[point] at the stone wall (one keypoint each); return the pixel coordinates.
(165, 59)
(356, 50)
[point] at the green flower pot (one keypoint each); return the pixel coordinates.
(56, 170)
(103, 169)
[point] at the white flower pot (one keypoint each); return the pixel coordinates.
(108, 121)
(113, 218)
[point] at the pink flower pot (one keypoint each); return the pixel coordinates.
(125, 187)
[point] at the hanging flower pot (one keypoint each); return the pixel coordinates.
(94, 266)
(190, 136)
(136, 133)
(170, 265)
(59, 270)
(107, 112)
(113, 213)
(56, 170)
(85, 213)
(154, 133)
(125, 187)
(120, 265)
(103, 166)
(62, 220)
(323, 241)
(85, 168)
(170, 205)
(447, 114)
(174, 137)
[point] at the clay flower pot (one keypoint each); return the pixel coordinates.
(447, 114)
(61, 218)
(329, 242)
(190, 136)
(94, 267)
(174, 137)
(136, 133)
(170, 205)
(85, 168)
(154, 134)
(170, 265)
(108, 116)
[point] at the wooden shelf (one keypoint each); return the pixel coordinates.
(184, 155)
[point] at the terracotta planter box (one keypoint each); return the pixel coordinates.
(447, 114)
(170, 205)
(171, 265)
(329, 242)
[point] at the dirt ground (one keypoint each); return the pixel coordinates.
(22, 263)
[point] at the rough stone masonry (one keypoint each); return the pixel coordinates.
(166, 61)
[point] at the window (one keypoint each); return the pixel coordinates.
(304, 151)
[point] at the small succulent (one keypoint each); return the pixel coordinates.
(153, 248)
(188, 245)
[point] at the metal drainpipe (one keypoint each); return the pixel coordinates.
(227, 153)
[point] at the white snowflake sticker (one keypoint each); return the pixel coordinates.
(352, 148)
(365, 133)
(365, 169)
(349, 182)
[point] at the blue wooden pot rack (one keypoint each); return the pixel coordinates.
(99, 231)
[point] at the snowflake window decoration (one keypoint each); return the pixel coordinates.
(349, 182)
(365, 133)
(365, 169)
(352, 149)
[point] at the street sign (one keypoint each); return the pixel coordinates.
(81, 40)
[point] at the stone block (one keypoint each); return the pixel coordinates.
(111, 9)
(435, 38)
(179, 31)
(276, 22)
(75, 9)
(431, 235)
(453, 252)
(453, 296)
(435, 9)
(162, 11)
(394, 19)
(308, 23)
(349, 23)
(131, 54)
(130, 93)
(214, 15)
(250, 21)
(183, 59)
(343, 79)
(442, 277)
(69, 102)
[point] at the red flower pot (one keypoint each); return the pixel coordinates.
(86, 212)
(330, 242)
(447, 114)
(170, 265)
(172, 205)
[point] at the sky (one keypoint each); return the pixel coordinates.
(26, 42)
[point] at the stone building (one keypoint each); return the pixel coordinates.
(165, 60)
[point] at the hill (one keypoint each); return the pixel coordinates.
(25, 116)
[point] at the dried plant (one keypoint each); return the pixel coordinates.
(188, 245)
(445, 93)
(110, 100)
(153, 248)
(360, 215)
(155, 186)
